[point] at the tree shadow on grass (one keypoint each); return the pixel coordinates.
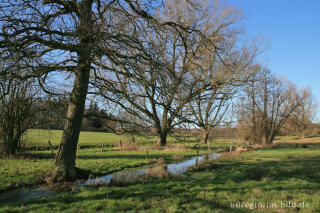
(304, 169)
(231, 177)
(175, 190)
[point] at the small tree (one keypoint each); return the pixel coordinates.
(302, 117)
(266, 105)
(208, 112)
(16, 111)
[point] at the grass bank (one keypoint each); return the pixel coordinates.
(276, 177)
(31, 169)
(37, 139)
(37, 160)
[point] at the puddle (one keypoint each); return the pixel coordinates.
(124, 176)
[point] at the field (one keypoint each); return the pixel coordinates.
(37, 139)
(31, 168)
(265, 180)
(295, 139)
(28, 171)
(288, 172)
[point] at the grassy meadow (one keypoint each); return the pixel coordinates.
(31, 168)
(287, 172)
(295, 139)
(36, 139)
(265, 180)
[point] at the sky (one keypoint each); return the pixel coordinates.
(292, 28)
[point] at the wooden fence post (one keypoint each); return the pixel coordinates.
(52, 152)
(147, 156)
(198, 149)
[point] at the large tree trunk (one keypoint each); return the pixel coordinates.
(205, 136)
(65, 163)
(162, 138)
(11, 142)
(11, 146)
(162, 130)
(66, 156)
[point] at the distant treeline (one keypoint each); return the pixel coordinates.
(52, 112)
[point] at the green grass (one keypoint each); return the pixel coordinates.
(15, 173)
(39, 138)
(295, 139)
(36, 139)
(282, 174)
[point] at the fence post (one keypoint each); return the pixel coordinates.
(51, 147)
(198, 149)
(147, 156)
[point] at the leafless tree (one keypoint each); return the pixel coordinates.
(73, 38)
(303, 116)
(266, 105)
(208, 112)
(16, 112)
(175, 65)
(208, 109)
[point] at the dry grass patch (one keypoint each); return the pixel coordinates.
(176, 149)
(127, 146)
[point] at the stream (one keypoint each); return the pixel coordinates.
(123, 176)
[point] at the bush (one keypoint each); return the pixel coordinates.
(16, 113)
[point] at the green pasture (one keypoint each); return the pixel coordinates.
(32, 169)
(275, 177)
(38, 139)
(36, 161)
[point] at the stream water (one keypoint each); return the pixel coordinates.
(123, 176)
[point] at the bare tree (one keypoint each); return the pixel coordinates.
(16, 112)
(208, 112)
(208, 109)
(71, 38)
(171, 71)
(303, 116)
(266, 105)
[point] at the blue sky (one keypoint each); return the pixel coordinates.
(293, 30)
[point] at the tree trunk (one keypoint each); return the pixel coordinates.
(11, 143)
(270, 139)
(265, 140)
(11, 148)
(162, 138)
(66, 156)
(205, 137)
(65, 163)
(301, 134)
